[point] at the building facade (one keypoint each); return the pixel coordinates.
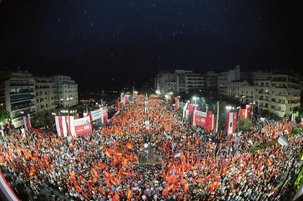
(66, 91)
(277, 93)
(241, 90)
(179, 81)
(45, 94)
(18, 91)
(225, 77)
(211, 79)
(166, 82)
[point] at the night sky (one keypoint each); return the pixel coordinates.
(98, 41)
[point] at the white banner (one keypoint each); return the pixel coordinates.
(97, 114)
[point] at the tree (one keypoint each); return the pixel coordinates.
(42, 119)
(4, 115)
(245, 124)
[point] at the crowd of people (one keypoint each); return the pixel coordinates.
(105, 165)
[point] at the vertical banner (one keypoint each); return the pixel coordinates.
(104, 115)
(243, 113)
(231, 122)
(117, 104)
(27, 122)
(184, 110)
(61, 126)
(9, 125)
(70, 125)
(171, 99)
(249, 111)
(190, 108)
(176, 103)
(82, 126)
(123, 99)
(209, 121)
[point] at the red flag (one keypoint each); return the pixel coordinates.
(165, 192)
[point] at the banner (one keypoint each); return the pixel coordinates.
(7, 191)
(61, 126)
(199, 118)
(104, 115)
(117, 104)
(96, 114)
(82, 126)
(122, 96)
(231, 122)
(246, 113)
(27, 122)
(243, 113)
(190, 108)
(184, 110)
(70, 125)
(176, 103)
(249, 111)
(209, 121)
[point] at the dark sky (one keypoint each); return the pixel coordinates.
(95, 41)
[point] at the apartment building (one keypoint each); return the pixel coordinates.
(194, 81)
(66, 91)
(277, 93)
(228, 76)
(18, 95)
(45, 94)
(211, 79)
(166, 82)
(179, 81)
(241, 89)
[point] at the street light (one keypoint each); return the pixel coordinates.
(195, 99)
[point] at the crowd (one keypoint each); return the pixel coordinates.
(105, 165)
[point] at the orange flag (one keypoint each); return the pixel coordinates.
(116, 197)
(129, 194)
(129, 145)
(107, 154)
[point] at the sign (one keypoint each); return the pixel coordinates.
(200, 118)
(96, 114)
(82, 126)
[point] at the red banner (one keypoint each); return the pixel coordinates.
(176, 103)
(209, 121)
(82, 126)
(200, 118)
(123, 100)
(190, 108)
(117, 104)
(243, 113)
(249, 111)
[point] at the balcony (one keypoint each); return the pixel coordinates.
(21, 84)
(21, 97)
(22, 91)
(21, 115)
(22, 106)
